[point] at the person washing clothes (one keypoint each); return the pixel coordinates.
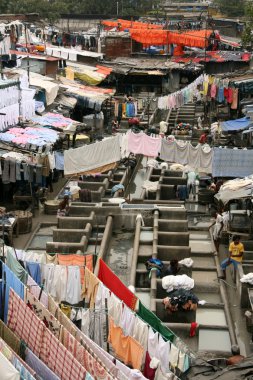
(203, 138)
(236, 251)
(218, 226)
(180, 299)
(63, 209)
(172, 269)
(191, 182)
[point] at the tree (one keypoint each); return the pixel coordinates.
(231, 8)
(51, 9)
(247, 36)
(47, 10)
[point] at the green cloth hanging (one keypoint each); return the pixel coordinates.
(149, 317)
(15, 266)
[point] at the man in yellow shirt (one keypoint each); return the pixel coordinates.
(236, 250)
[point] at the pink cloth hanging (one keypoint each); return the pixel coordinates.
(140, 143)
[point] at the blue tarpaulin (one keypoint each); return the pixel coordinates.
(236, 125)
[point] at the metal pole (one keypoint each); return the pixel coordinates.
(1, 64)
(107, 325)
(28, 58)
(148, 107)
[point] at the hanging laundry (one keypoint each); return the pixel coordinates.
(100, 354)
(179, 98)
(149, 317)
(148, 372)
(9, 337)
(160, 375)
(84, 357)
(39, 367)
(112, 282)
(140, 332)
(141, 143)
(73, 290)
(11, 282)
(16, 267)
(77, 260)
(43, 314)
(174, 355)
(34, 270)
(153, 338)
(163, 350)
(24, 370)
(20, 320)
(59, 359)
(90, 287)
(115, 308)
(127, 321)
(7, 370)
(126, 348)
(234, 104)
(92, 156)
(37, 291)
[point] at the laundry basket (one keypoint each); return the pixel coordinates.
(24, 221)
(51, 207)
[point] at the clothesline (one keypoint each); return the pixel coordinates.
(109, 279)
(205, 86)
(120, 301)
(69, 331)
(89, 350)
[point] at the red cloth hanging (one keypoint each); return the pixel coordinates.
(193, 329)
(113, 283)
(148, 372)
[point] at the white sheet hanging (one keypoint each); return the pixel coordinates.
(92, 156)
(7, 370)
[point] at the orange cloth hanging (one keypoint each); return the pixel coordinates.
(179, 50)
(126, 348)
(78, 260)
(197, 38)
(126, 24)
(90, 287)
(150, 37)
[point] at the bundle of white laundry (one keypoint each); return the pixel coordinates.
(248, 278)
(187, 262)
(170, 283)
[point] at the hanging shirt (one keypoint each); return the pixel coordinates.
(234, 104)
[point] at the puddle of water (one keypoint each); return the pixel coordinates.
(211, 317)
(120, 256)
(214, 340)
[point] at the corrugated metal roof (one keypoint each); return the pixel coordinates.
(123, 65)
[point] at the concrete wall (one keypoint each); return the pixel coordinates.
(76, 25)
